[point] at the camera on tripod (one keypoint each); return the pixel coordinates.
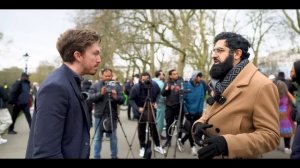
(147, 84)
(110, 85)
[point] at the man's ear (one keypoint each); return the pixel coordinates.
(77, 56)
(237, 54)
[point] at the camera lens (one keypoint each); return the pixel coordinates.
(147, 83)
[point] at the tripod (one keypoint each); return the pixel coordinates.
(147, 121)
(118, 119)
(177, 124)
(111, 122)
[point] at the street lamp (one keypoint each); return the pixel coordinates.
(26, 60)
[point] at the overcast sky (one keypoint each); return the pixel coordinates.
(34, 32)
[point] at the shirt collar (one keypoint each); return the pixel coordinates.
(78, 79)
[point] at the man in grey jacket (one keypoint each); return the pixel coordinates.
(100, 94)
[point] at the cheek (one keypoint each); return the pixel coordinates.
(222, 58)
(92, 60)
(292, 75)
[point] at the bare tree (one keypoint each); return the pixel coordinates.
(204, 30)
(173, 29)
(140, 43)
(261, 24)
(293, 23)
(106, 23)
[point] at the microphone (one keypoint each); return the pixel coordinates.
(181, 86)
(85, 95)
(182, 90)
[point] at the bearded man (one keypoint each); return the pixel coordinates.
(241, 119)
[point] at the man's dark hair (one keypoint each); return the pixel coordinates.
(145, 74)
(200, 74)
(24, 74)
(281, 76)
(157, 73)
(235, 41)
(170, 72)
(136, 75)
(106, 69)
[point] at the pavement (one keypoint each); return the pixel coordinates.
(128, 145)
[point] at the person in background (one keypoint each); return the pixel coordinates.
(289, 83)
(286, 123)
(138, 99)
(171, 92)
(295, 76)
(100, 94)
(161, 105)
(193, 107)
(20, 100)
(35, 88)
(128, 86)
(5, 118)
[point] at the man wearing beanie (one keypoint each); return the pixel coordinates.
(295, 76)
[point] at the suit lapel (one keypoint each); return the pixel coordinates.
(82, 102)
(235, 88)
(79, 96)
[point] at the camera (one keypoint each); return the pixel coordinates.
(147, 84)
(110, 85)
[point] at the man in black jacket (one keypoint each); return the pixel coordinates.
(20, 95)
(146, 91)
(171, 92)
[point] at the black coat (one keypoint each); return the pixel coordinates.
(138, 96)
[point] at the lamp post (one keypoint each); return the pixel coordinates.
(26, 60)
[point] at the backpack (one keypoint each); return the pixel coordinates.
(14, 92)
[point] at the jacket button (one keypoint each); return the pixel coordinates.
(217, 130)
(86, 143)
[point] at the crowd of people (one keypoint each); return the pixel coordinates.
(238, 113)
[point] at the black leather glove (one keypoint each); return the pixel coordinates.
(199, 131)
(213, 146)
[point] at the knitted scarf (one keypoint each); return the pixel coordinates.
(222, 85)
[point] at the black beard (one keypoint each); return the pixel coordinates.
(219, 71)
(293, 78)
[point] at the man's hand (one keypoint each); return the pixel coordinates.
(199, 130)
(114, 94)
(141, 110)
(213, 146)
(103, 90)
